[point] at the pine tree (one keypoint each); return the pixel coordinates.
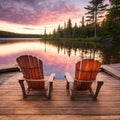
(115, 10)
(69, 28)
(75, 32)
(95, 10)
(82, 28)
(83, 22)
(64, 30)
(45, 33)
(59, 31)
(114, 18)
(54, 33)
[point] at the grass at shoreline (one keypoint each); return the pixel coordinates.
(90, 39)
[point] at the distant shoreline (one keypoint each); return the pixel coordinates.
(18, 38)
(6, 34)
(6, 40)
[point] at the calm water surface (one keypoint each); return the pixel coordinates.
(57, 57)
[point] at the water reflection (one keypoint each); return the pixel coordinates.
(107, 53)
(57, 57)
(52, 61)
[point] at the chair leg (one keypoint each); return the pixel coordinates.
(49, 91)
(21, 82)
(67, 85)
(72, 90)
(99, 85)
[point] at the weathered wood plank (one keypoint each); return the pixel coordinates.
(59, 111)
(62, 104)
(59, 117)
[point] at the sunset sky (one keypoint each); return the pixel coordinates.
(33, 16)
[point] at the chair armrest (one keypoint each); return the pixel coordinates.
(50, 85)
(85, 80)
(70, 84)
(22, 78)
(69, 77)
(51, 77)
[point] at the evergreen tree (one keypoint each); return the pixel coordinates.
(64, 25)
(83, 22)
(82, 28)
(115, 10)
(64, 30)
(69, 29)
(59, 31)
(114, 18)
(75, 33)
(95, 9)
(45, 33)
(111, 26)
(54, 33)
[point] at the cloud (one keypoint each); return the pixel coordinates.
(28, 28)
(37, 11)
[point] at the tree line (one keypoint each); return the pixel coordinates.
(109, 27)
(5, 34)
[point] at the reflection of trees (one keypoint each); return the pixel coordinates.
(85, 49)
(103, 52)
(111, 53)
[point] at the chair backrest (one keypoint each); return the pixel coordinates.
(31, 68)
(86, 69)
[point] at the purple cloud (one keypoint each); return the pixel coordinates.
(36, 11)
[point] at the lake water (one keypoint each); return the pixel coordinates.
(58, 57)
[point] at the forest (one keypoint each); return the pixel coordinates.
(4, 34)
(92, 28)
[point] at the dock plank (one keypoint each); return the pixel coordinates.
(58, 117)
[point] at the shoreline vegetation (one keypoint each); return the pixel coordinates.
(16, 37)
(5, 34)
(89, 39)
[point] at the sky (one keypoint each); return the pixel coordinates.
(33, 16)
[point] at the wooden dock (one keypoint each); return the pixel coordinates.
(8, 68)
(112, 69)
(60, 107)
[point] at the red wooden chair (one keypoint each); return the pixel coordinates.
(32, 70)
(85, 74)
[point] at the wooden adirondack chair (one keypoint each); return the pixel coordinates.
(32, 70)
(85, 74)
